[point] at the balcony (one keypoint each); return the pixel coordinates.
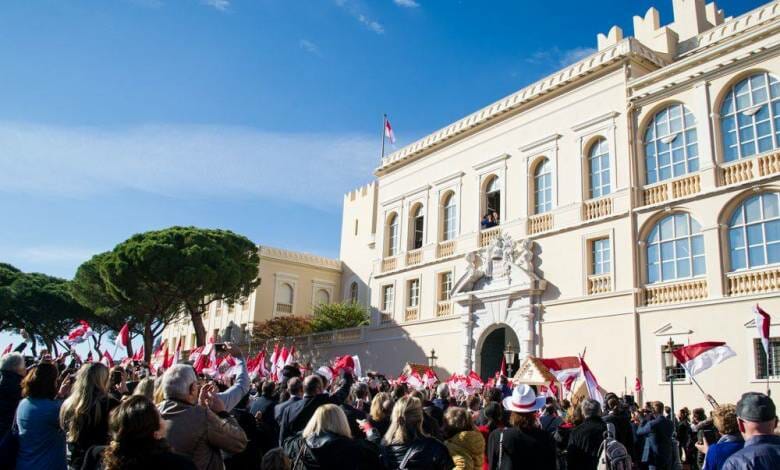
(749, 169)
(443, 308)
(673, 189)
(283, 308)
(754, 282)
(389, 264)
(414, 257)
(411, 313)
(445, 249)
(675, 292)
(596, 208)
(487, 236)
(599, 283)
(540, 223)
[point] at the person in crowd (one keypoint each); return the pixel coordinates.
(704, 430)
(495, 217)
(522, 444)
(84, 414)
(757, 421)
(658, 430)
(242, 382)
(41, 441)
(493, 420)
(585, 440)
(255, 447)
(381, 409)
(463, 440)
(565, 408)
(550, 420)
(117, 387)
(275, 459)
(197, 423)
(362, 396)
(297, 415)
(725, 419)
(405, 445)
(490, 395)
(295, 389)
(136, 441)
(487, 221)
(145, 387)
(264, 406)
(12, 371)
(354, 415)
(442, 399)
(619, 417)
(326, 442)
(685, 435)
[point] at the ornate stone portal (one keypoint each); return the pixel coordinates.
(499, 289)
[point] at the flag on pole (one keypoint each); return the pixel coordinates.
(762, 325)
(389, 131)
(177, 354)
(123, 338)
(637, 385)
(290, 356)
(80, 334)
(591, 383)
(107, 359)
(139, 355)
(565, 369)
(274, 358)
(502, 369)
(281, 360)
(699, 357)
(8, 349)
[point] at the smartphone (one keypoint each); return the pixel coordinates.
(707, 435)
(220, 347)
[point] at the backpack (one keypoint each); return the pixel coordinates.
(612, 454)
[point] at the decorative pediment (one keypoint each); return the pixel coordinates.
(502, 265)
(533, 372)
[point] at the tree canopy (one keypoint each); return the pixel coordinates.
(336, 316)
(281, 327)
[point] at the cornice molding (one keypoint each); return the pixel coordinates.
(595, 120)
(283, 255)
(449, 178)
(490, 161)
(540, 142)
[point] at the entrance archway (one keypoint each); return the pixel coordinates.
(490, 350)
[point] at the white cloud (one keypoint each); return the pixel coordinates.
(354, 10)
(184, 161)
(309, 47)
(373, 25)
(221, 5)
(406, 3)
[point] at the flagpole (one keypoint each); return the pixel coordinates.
(384, 126)
(768, 391)
(709, 397)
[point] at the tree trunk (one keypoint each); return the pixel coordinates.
(33, 346)
(129, 347)
(148, 340)
(200, 328)
(96, 345)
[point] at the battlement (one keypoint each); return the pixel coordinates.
(360, 192)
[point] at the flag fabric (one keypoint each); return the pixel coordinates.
(762, 325)
(290, 356)
(697, 358)
(637, 385)
(281, 361)
(80, 334)
(591, 383)
(274, 358)
(565, 369)
(429, 378)
(389, 131)
(8, 349)
(107, 359)
(139, 355)
(358, 369)
(502, 369)
(177, 354)
(342, 363)
(123, 338)
(553, 389)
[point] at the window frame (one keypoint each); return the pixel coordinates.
(413, 295)
(749, 113)
(385, 288)
(393, 234)
(603, 189)
(603, 262)
(543, 172)
(745, 233)
(449, 217)
(674, 240)
(691, 160)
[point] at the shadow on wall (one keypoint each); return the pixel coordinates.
(551, 292)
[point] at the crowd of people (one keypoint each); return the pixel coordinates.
(89, 416)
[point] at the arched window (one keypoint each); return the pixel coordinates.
(449, 217)
(285, 294)
(493, 200)
(671, 148)
(392, 235)
(754, 232)
(598, 168)
(353, 292)
(417, 227)
(543, 187)
(322, 297)
(675, 249)
(750, 117)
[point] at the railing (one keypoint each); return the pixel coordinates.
(411, 313)
(597, 208)
(322, 338)
(686, 186)
(678, 292)
(387, 317)
(283, 308)
(388, 264)
(487, 236)
(350, 334)
(445, 249)
(754, 282)
(599, 283)
(443, 308)
(540, 223)
(655, 194)
(743, 170)
(769, 164)
(414, 257)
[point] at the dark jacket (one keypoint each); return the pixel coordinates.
(353, 415)
(624, 434)
(759, 453)
(10, 395)
(658, 449)
(297, 414)
(521, 449)
(422, 453)
(718, 453)
(255, 448)
(280, 407)
(94, 435)
(584, 444)
(268, 426)
(93, 460)
(328, 450)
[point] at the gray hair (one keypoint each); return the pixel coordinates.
(12, 362)
(591, 408)
(177, 380)
(443, 391)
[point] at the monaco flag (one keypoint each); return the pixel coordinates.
(565, 369)
(389, 131)
(699, 357)
(80, 334)
(123, 338)
(591, 383)
(762, 325)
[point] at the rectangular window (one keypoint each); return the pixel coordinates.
(388, 296)
(414, 293)
(445, 286)
(601, 256)
(675, 369)
(774, 359)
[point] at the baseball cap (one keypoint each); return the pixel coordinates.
(756, 407)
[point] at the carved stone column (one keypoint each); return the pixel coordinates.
(468, 342)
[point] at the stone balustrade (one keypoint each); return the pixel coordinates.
(746, 170)
(753, 282)
(599, 283)
(596, 208)
(443, 308)
(677, 292)
(283, 308)
(487, 236)
(411, 313)
(686, 186)
(414, 257)
(655, 194)
(737, 172)
(540, 223)
(389, 264)
(445, 249)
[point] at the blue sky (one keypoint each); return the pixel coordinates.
(119, 116)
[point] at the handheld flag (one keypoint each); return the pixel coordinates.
(697, 358)
(591, 383)
(762, 325)
(80, 334)
(8, 349)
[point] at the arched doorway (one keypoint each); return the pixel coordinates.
(490, 351)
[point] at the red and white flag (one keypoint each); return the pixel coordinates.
(176, 355)
(107, 359)
(502, 368)
(8, 349)
(123, 338)
(389, 131)
(274, 358)
(139, 355)
(591, 383)
(281, 361)
(80, 334)
(290, 356)
(565, 369)
(762, 325)
(696, 358)
(637, 385)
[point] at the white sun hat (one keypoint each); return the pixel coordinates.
(524, 400)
